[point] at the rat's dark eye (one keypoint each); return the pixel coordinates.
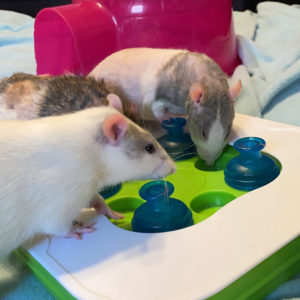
(150, 148)
(204, 134)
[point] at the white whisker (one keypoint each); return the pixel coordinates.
(180, 155)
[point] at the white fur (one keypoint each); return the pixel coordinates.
(130, 69)
(6, 114)
(212, 148)
(51, 168)
(25, 106)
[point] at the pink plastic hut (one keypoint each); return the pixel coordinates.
(76, 37)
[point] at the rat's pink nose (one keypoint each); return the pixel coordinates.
(173, 169)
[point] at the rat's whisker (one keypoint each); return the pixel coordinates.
(188, 146)
(180, 155)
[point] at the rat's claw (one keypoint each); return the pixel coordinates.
(75, 235)
(79, 231)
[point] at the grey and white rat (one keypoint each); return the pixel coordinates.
(171, 82)
(53, 167)
(26, 96)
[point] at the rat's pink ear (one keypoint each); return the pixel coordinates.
(196, 93)
(235, 89)
(114, 127)
(115, 101)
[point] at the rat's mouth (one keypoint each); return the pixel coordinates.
(208, 157)
(164, 169)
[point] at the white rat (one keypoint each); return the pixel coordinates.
(53, 167)
(168, 82)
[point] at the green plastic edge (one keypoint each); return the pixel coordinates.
(48, 281)
(265, 278)
(255, 284)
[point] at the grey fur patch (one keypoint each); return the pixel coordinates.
(70, 93)
(175, 80)
(217, 98)
(58, 94)
(135, 142)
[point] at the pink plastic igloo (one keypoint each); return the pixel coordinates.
(76, 37)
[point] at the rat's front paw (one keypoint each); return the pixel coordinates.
(80, 229)
(103, 209)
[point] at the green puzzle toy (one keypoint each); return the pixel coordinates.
(201, 187)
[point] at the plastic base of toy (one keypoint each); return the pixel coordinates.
(160, 213)
(255, 284)
(251, 169)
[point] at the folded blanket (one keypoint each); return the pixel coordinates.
(16, 43)
(269, 47)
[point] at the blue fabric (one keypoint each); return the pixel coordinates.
(287, 290)
(16, 44)
(269, 47)
(16, 283)
(28, 289)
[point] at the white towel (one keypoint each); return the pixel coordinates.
(269, 47)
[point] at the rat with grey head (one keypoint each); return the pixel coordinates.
(168, 82)
(53, 167)
(26, 96)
